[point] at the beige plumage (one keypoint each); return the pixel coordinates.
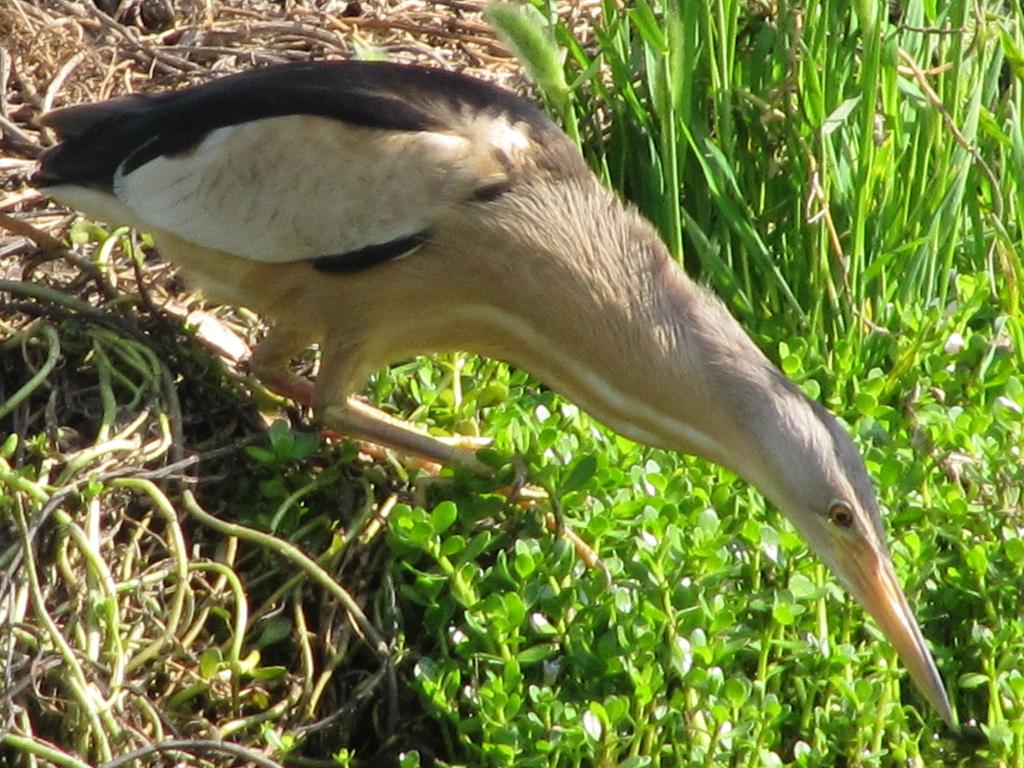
(383, 211)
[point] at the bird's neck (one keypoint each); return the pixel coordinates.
(743, 413)
(642, 348)
(677, 371)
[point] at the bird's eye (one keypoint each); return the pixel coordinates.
(841, 514)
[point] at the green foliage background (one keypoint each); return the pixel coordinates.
(850, 183)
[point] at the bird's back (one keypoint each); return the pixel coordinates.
(98, 139)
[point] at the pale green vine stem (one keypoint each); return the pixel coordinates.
(110, 614)
(103, 373)
(21, 484)
(135, 356)
(160, 444)
(338, 655)
(191, 747)
(302, 634)
(94, 623)
(228, 558)
(45, 294)
(75, 678)
(362, 625)
(156, 725)
(178, 551)
(293, 499)
(83, 458)
(363, 518)
(273, 713)
(52, 355)
(42, 750)
(241, 610)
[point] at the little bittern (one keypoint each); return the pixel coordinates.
(384, 211)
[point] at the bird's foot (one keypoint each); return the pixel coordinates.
(359, 420)
(584, 551)
(525, 495)
(471, 443)
(288, 385)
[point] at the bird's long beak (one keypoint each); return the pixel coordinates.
(872, 580)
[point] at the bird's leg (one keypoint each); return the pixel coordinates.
(359, 420)
(339, 375)
(527, 496)
(271, 364)
(468, 443)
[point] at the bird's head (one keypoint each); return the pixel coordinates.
(816, 476)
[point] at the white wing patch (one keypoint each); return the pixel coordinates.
(297, 187)
(498, 132)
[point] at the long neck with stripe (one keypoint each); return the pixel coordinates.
(601, 313)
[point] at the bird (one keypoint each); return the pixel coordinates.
(382, 210)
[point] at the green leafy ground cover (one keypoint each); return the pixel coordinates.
(850, 183)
